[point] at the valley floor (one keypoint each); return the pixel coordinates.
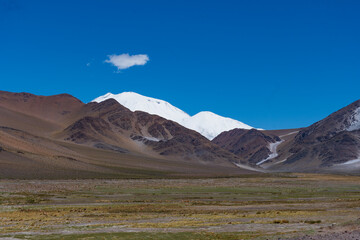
(285, 206)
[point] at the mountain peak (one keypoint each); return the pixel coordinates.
(206, 113)
(206, 123)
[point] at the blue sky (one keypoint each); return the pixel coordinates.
(271, 64)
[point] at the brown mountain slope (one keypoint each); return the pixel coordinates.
(49, 108)
(60, 137)
(325, 145)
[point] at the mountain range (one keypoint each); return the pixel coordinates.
(61, 137)
(129, 135)
(206, 123)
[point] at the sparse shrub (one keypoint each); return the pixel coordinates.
(280, 221)
(30, 200)
(312, 221)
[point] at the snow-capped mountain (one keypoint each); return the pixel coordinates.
(137, 102)
(210, 124)
(206, 123)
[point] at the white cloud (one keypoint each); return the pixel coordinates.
(124, 61)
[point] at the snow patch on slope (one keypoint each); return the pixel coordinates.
(152, 139)
(273, 149)
(350, 165)
(206, 123)
(355, 124)
(273, 154)
(243, 166)
(351, 162)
